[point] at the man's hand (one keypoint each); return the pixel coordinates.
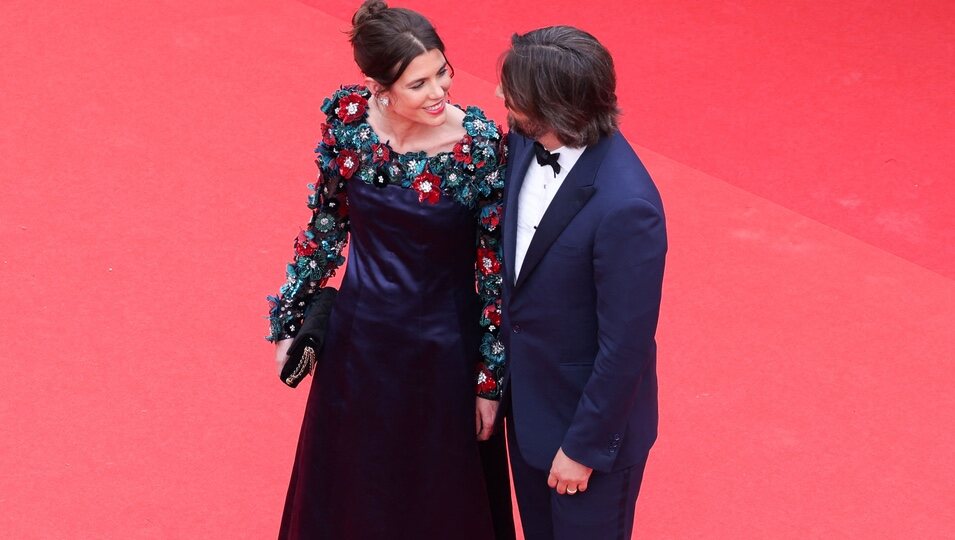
(486, 412)
(567, 476)
(281, 354)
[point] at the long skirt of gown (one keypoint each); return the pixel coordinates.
(387, 448)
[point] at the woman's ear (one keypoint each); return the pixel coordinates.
(372, 84)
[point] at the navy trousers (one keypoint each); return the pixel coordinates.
(603, 512)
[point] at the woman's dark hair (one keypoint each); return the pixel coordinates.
(385, 40)
(563, 78)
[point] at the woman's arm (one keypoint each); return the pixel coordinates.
(490, 370)
(318, 249)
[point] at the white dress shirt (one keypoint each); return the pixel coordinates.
(538, 190)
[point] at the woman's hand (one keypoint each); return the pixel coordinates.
(281, 354)
(486, 412)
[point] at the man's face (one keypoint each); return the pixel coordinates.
(520, 122)
(524, 125)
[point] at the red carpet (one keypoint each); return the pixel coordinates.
(153, 162)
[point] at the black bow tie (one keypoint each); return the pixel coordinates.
(546, 158)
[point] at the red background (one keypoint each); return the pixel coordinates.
(153, 162)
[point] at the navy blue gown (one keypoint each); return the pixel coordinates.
(387, 447)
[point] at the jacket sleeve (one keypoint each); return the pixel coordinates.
(318, 249)
(629, 254)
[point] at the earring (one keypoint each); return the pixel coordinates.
(384, 101)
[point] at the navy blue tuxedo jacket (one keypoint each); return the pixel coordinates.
(579, 321)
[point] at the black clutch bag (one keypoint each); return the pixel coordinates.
(303, 353)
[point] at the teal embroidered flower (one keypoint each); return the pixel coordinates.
(324, 222)
(492, 349)
(478, 126)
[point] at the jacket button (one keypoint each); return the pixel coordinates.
(516, 328)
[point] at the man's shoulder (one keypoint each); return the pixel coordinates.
(622, 175)
(621, 151)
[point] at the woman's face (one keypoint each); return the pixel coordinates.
(421, 93)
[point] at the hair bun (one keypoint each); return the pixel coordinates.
(369, 10)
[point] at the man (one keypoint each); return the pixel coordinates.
(584, 247)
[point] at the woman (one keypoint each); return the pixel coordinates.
(388, 447)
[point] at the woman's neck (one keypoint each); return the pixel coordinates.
(401, 132)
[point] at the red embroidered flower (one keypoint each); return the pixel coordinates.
(493, 314)
(428, 187)
(485, 380)
(462, 150)
(491, 218)
(348, 162)
(327, 136)
(351, 107)
(304, 246)
(488, 262)
(380, 153)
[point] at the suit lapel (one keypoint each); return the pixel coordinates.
(520, 158)
(573, 194)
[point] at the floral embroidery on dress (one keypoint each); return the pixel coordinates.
(427, 185)
(470, 174)
(351, 107)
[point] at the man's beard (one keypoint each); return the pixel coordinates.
(531, 129)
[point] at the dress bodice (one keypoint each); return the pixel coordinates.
(422, 228)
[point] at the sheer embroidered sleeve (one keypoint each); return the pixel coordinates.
(489, 159)
(318, 249)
